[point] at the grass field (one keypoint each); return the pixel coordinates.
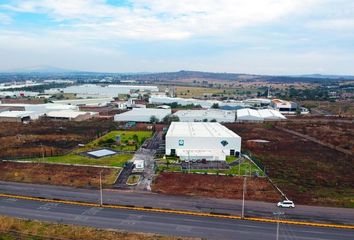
(108, 140)
(189, 92)
(13, 229)
(72, 158)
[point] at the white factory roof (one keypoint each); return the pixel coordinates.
(86, 101)
(270, 114)
(209, 114)
(67, 114)
(15, 114)
(247, 114)
(142, 114)
(199, 129)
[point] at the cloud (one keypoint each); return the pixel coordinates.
(160, 19)
(5, 19)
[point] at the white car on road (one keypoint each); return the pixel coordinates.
(286, 204)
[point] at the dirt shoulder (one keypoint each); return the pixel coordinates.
(13, 228)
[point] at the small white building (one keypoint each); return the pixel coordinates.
(138, 165)
(200, 140)
(142, 115)
(207, 115)
(284, 106)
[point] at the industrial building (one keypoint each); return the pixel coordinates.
(251, 115)
(96, 102)
(208, 115)
(284, 106)
(201, 141)
(142, 115)
(15, 116)
(97, 91)
(158, 99)
(71, 115)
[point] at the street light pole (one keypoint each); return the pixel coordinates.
(243, 197)
(101, 193)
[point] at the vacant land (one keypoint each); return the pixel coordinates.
(343, 108)
(13, 229)
(306, 171)
(108, 140)
(56, 174)
(214, 186)
(340, 134)
(48, 137)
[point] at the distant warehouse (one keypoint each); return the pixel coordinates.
(251, 115)
(201, 140)
(207, 115)
(143, 115)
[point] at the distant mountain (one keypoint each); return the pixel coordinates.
(41, 69)
(327, 76)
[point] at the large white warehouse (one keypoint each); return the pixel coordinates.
(142, 115)
(201, 140)
(208, 115)
(93, 90)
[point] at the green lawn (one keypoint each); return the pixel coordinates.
(72, 158)
(108, 140)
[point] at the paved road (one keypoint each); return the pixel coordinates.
(162, 223)
(252, 208)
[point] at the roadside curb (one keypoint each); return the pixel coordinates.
(181, 212)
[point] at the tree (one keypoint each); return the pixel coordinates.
(170, 118)
(154, 119)
(213, 120)
(215, 105)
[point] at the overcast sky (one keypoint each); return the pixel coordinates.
(248, 36)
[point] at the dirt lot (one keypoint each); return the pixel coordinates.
(214, 186)
(336, 133)
(48, 137)
(306, 171)
(56, 174)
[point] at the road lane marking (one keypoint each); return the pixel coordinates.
(181, 212)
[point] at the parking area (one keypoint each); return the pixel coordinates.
(204, 165)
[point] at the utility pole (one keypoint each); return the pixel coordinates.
(243, 197)
(101, 193)
(277, 214)
(239, 166)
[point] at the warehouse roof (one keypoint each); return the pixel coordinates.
(199, 129)
(271, 114)
(15, 114)
(246, 113)
(67, 114)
